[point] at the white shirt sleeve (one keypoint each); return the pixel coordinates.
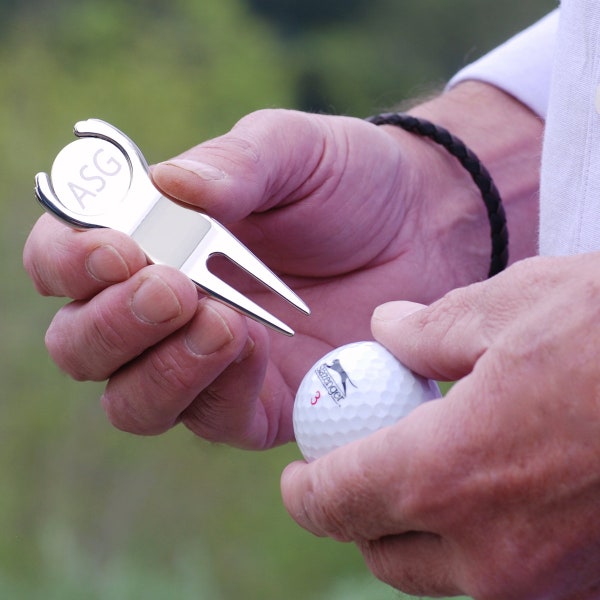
(521, 66)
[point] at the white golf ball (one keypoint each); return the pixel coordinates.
(352, 392)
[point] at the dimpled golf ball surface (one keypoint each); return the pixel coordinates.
(352, 392)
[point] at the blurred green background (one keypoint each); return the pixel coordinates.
(86, 511)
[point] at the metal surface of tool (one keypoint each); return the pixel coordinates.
(102, 180)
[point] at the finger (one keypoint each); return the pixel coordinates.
(254, 167)
(444, 340)
(64, 262)
(370, 488)
(150, 394)
(90, 340)
(244, 406)
(397, 495)
(416, 563)
(288, 194)
(235, 174)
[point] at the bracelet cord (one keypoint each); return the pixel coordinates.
(479, 174)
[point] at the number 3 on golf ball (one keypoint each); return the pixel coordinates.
(352, 392)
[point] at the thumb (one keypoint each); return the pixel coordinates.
(442, 341)
(252, 168)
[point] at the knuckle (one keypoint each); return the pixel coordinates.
(106, 337)
(441, 329)
(268, 117)
(38, 277)
(52, 267)
(46, 278)
(32, 258)
(172, 373)
(379, 562)
(236, 146)
(129, 417)
(342, 506)
(387, 565)
(327, 515)
(33, 268)
(423, 507)
(436, 502)
(90, 352)
(532, 272)
(437, 322)
(452, 307)
(62, 346)
(418, 563)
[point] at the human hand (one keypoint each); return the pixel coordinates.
(345, 211)
(492, 491)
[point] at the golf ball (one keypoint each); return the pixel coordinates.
(352, 392)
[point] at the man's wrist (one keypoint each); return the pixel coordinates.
(473, 166)
(507, 137)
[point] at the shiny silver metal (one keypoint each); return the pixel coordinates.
(102, 180)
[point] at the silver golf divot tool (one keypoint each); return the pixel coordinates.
(102, 180)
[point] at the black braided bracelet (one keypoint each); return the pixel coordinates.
(479, 174)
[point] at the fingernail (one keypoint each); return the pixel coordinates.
(395, 311)
(106, 264)
(155, 302)
(208, 332)
(246, 351)
(202, 170)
